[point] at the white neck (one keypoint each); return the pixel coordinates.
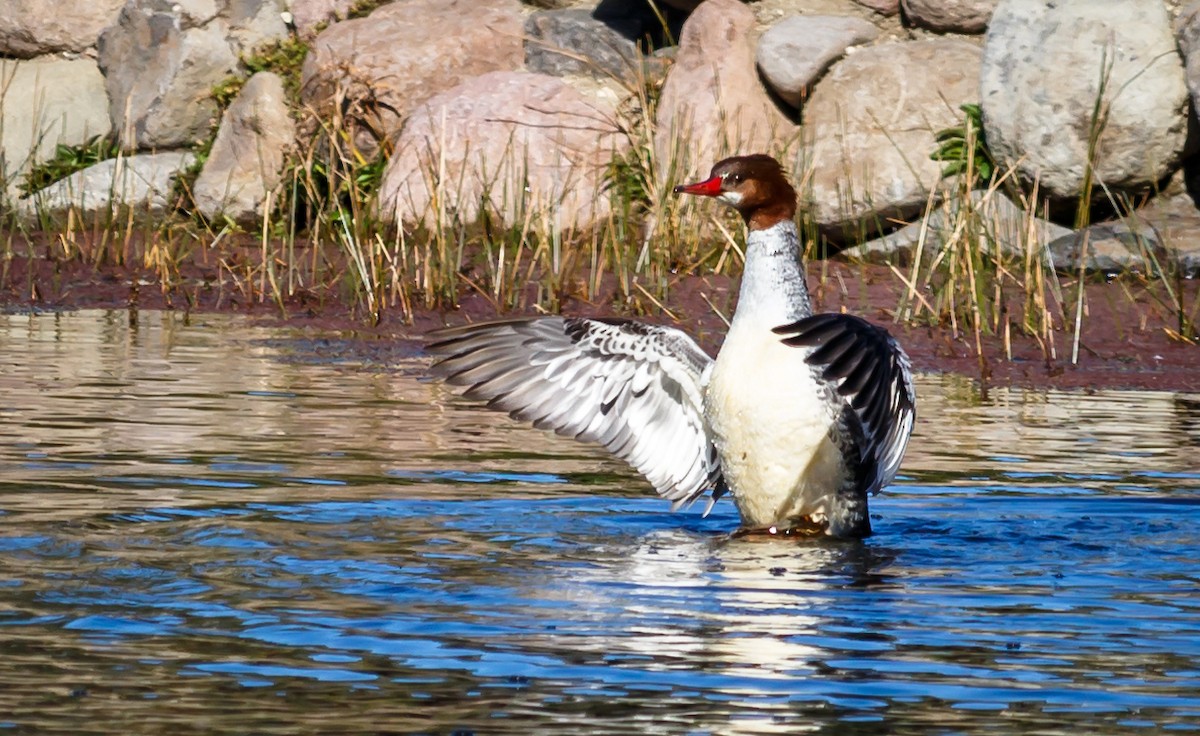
(773, 290)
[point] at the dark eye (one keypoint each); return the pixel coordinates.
(736, 178)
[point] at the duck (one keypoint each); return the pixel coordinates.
(800, 418)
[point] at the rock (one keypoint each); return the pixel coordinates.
(160, 73)
(30, 28)
(142, 183)
(519, 141)
(770, 12)
(872, 121)
(1112, 247)
(883, 7)
(1001, 222)
(1187, 35)
(66, 105)
(950, 16)
(712, 104)
(1176, 221)
(248, 155)
(399, 56)
(252, 23)
(592, 46)
(308, 14)
(161, 61)
(1040, 122)
(794, 52)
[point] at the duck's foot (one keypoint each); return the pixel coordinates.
(803, 526)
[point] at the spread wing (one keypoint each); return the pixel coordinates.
(635, 389)
(874, 375)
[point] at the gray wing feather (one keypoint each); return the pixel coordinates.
(874, 375)
(635, 389)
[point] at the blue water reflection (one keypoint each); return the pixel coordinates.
(210, 522)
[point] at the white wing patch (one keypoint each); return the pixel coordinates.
(872, 372)
(635, 389)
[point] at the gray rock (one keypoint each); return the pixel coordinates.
(43, 103)
(508, 142)
(1176, 221)
(712, 103)
(162, 59)
(883, 7)
(399, 55)
(30, 28)
(1002, 223)
(1111, 247)
(142, 183)
(159, 74)
(253, 23)
(1040, 122)
(950, 16)
(872, 121)
(591, 46)
(794, 52)
(248, 155)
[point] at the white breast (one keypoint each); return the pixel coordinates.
(771, 422)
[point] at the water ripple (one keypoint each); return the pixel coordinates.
(260, 531)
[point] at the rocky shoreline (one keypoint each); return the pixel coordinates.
(522, 105)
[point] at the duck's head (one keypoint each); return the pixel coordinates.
(753, 185)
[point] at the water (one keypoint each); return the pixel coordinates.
(214, 527)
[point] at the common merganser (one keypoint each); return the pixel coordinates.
(800, 416)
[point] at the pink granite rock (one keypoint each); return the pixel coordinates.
(406, 52)
(510, 142)
(712, 103)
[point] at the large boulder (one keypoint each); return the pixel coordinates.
(143, 183)
(30, 28)
(794, 52)
(45, 103)
(872, 121)
(162, 59)
(159, 74)
(1041, 122)
(950, 16)
(574, 41)
(712, 104)
(405, 52)
(510, 142)
(247, 157)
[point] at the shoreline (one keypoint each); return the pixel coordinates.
(1124, 344)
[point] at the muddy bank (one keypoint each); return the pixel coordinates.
(1125, 339)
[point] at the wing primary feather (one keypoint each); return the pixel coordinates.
(635, 389)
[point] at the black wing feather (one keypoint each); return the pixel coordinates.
(870, 369)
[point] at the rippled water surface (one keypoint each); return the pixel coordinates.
(221, 528)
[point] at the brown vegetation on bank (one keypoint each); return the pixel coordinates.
(1130, 336)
